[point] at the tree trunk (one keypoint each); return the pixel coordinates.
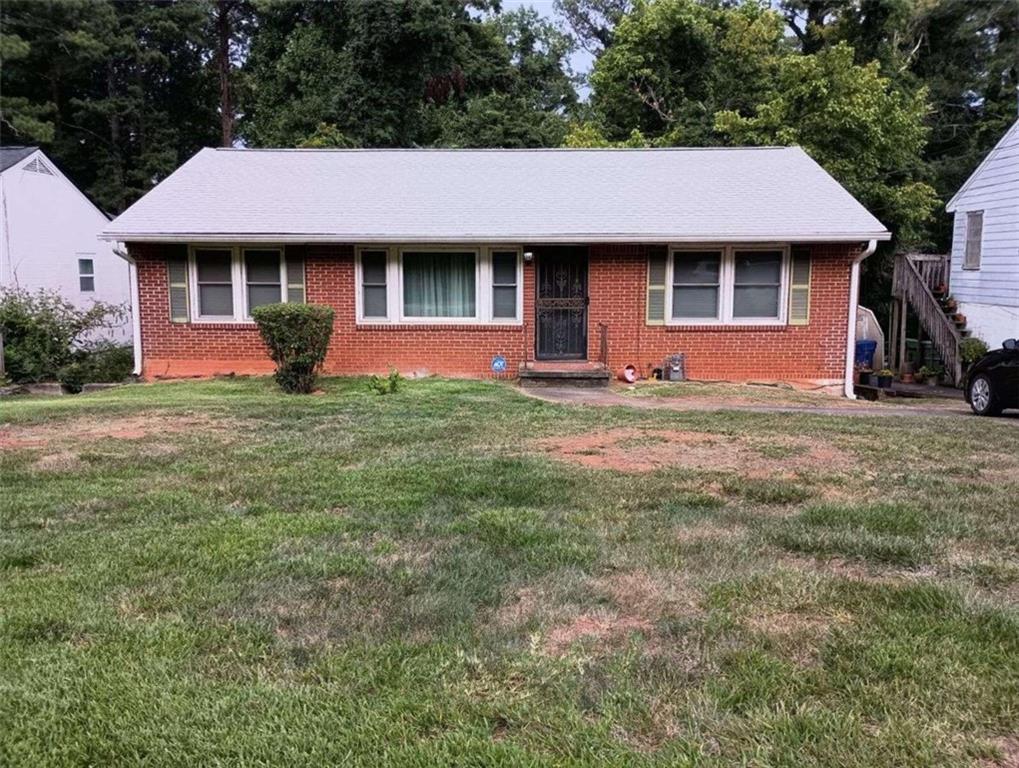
(226, 109)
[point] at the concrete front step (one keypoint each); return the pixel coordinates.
(580, 373)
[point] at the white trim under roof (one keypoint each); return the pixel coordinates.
(580, 196)
(222, 237)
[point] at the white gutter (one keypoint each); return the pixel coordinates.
(854, 291)
(579, 238)
(136, 318)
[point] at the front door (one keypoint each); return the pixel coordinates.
(561, 304)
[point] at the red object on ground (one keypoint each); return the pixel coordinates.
(628, 374)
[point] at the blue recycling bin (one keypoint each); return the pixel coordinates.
(865, 349)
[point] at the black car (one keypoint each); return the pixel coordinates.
(992, 382)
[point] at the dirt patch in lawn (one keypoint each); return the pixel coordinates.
(634, 450)
(627, 603)
(602, 628)
(1008, 751)
(96, 428)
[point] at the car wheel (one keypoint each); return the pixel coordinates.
(982, 397)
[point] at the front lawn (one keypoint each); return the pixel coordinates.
(456, 574)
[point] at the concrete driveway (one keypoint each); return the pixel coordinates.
(942, 408)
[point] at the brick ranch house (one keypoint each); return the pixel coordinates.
(445, 261)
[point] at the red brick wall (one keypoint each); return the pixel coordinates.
(815, 352)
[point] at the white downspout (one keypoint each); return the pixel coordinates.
(854, 292)
(136, 318)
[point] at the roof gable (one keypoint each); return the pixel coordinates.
(13, 155)
(759, 194)
(1011, 136)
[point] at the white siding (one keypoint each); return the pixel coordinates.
(993, 189)
(46, 225)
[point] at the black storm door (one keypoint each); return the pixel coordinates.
(561, 304)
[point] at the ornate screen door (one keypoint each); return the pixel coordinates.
(561, 304)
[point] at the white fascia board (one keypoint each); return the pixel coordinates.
(647, 237)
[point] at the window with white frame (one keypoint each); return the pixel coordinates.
(439, 284)
(373, 284)
(227, 282)
(728, 285)
(86, 275)
(757, 284)
(974, 239)
(444, 284)
(696, 285)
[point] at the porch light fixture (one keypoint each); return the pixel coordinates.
(528, 256)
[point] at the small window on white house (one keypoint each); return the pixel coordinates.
(86, 275)
(696, 279)
(757, 284)
(373, 284)
(504, 284)
(974, 236)
(263, 277)
(214, 277)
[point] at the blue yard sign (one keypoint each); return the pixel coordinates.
(498, 364)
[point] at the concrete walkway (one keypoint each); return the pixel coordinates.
(610, 397)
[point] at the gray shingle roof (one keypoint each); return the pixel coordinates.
(561, 195)
(11, 155)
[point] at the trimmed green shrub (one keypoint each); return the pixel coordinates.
(972, 349)
(297, 336)
(43, 332)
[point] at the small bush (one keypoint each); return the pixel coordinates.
(297, 336)
(73, 376)
(43, 332)
(103, 362)
(387, 385)
(972, 349)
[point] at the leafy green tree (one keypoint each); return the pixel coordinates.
(19, 116)
(674, 63)
(866, 133)
(530, 90)
(129, 85)
(964, 53)
(389, 74)
(367, 68)
(593, 22)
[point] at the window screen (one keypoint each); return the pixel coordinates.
(757, 284)
(974, 236)
(86, 275)
(373, 283)
(695, 282)
(215, 282)
(504, 284)
(262, 276)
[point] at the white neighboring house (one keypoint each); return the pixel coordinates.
(985, 244)
(49, 237)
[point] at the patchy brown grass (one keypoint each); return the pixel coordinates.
(617, 606)
(118, 428)
(1007, 748)
(645, 450)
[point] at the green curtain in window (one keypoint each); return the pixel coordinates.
(438, 284)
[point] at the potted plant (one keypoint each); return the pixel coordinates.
(884, 378)
(906, 374)
(930, 375)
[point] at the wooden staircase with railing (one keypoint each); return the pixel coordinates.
(920, 284)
